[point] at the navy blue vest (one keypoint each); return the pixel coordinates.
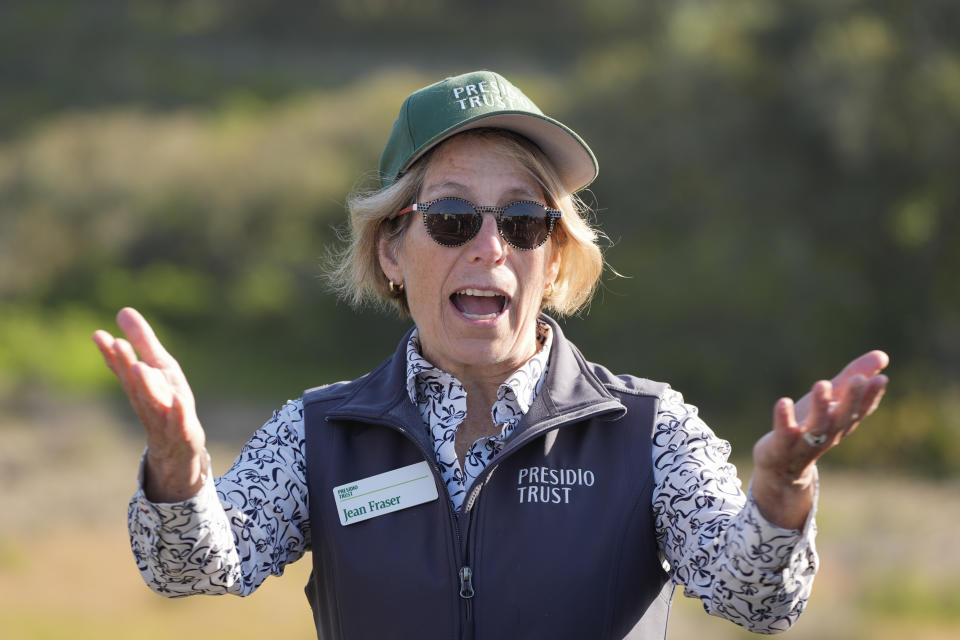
(557, 536)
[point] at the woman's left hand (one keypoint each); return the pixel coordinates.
(785, 458)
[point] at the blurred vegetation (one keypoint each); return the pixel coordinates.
(779, 180)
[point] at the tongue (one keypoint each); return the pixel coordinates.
(478, 305)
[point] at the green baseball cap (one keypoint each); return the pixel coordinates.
(482, 99)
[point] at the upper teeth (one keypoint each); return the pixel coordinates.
(478, 292)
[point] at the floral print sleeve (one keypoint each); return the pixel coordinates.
(248, 524)
(717, 544)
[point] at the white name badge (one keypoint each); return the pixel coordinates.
(385, 493)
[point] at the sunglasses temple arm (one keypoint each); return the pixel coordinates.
(412, 207)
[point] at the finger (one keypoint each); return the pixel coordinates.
(125, 359)
(153, 388)
(145, 403)
(819, 419)
(126, 356)
(790, 454)
(105, 343)
(873, 393)
(802, 408)
(784, 418)
(867, 365)
(120, 359)
(102, 339)
(819, 392)
(143, 338)
(847, 414)
(151, 350)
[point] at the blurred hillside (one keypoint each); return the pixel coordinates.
(778, 180)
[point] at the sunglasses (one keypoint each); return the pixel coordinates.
(453, 222)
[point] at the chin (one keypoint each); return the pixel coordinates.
(481, 352)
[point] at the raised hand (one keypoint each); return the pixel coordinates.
(869, 366)
(784, 459)
(162, 399)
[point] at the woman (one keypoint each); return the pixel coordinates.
(486, 480)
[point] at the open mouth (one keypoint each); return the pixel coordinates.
(479, 304)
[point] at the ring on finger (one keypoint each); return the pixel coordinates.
(814, 439)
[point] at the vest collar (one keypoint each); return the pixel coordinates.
(570, 391)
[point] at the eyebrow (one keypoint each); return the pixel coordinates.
(459, 188)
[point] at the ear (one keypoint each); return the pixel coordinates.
(389, 263)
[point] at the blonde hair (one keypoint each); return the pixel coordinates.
(354, 272)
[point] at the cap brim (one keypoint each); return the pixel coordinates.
(575, 164)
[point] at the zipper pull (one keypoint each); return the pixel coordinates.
(466, 583)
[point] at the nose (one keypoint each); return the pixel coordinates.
(487, 247)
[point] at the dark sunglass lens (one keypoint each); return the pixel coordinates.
(451, 221)
(525, 225)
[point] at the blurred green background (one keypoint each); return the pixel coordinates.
(775, 181)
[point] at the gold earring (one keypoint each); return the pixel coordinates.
(396, 288)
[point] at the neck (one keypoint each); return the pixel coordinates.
(481, 381)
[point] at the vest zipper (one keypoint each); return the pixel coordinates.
(465, 573)
(466, 592)
(466, 583)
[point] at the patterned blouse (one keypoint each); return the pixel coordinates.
(254, 520)
(442, 402)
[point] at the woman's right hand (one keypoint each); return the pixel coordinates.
(176, 457)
